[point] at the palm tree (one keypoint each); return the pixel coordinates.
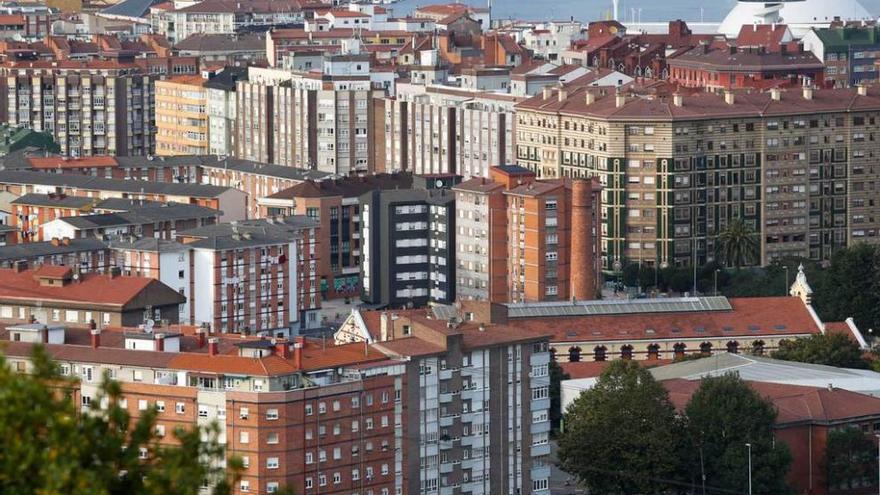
(738, 244)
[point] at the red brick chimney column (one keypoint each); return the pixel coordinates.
(583, 278)
(96, 338)
(212, 346)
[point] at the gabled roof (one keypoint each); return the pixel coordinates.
(795, 404)
(763, 35)
(91, 289)
(54, 201)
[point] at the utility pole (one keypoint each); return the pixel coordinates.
(750, 467)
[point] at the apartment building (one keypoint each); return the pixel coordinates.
(30, 212)
(167, 261)
(89, 255)
(59, 295)
(308, 120)
(94, 108)
(223, 17)
(849, 51)
(221, 110)
(254, 276)
(161, 221)
(334, 204)
(230, 201)
(468, 427)
(519, 239)
(319, 419)
(424, 407)
(677, 169)
(408, 244)
(733, 67)
(181, 116)
(434, 129)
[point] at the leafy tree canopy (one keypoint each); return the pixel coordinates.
(831, 349)
(49, 448)
(619, 433)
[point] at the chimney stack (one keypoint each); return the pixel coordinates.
(678, 99)
(282, 349)
(563, 94)
(583, 278)
(729, 97)
(201, 337)
(160, 342)
(115, 271)
(20, 266)
(96, 338)
(808, 92)
(863, 89)
(776, 94)
(590, 97)
(298, 345)
(620, 99)
(547, 92)
(212, 346)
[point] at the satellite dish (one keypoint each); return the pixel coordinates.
(439, 183)
(76, 276)
(148, 325)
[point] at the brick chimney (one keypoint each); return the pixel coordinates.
(20, 266)
(160, 342)
(282, 349)
(201, 337)
(212, 346)
(583, 278)
(298, 345)
(96, 338)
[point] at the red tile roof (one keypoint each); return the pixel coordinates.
(53, 162)
(749, 316)
(769, 36)
(796, 404)
(92, 288)
(592, 369)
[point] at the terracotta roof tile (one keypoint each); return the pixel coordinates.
(92, 288)
(749, 316)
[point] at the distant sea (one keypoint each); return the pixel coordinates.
(591, 10)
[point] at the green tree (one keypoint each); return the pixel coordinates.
(49, 448)
(557, 375)
(618, 435)
(830, 349)
(738, 244)
(850, 458)
(723, 416)
(850, 287)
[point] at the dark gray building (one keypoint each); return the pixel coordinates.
(408, 244)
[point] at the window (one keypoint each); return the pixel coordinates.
(322, 408)
(160, 430)
(272, 463)
(244, 437)
(337, 478)
(272, 438)
(245, 486)
(180, 408)
(245, 461)
(308, 410)
(203, 411)
(272, 414)
(142, 405)
(272, 487)
(160, 405)
(540, 393)
(539, 485)
(243, 413)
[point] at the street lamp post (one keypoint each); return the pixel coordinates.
(750, 467)
(785, 288)
(878, 461)
(716, 280)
